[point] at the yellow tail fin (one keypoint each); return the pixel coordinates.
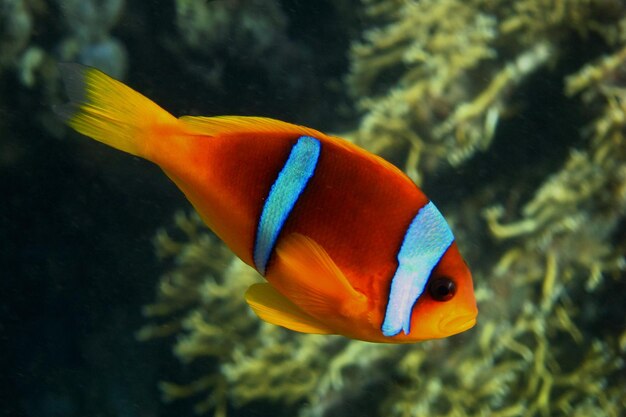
(111, 112)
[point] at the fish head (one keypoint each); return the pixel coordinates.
(448, 305)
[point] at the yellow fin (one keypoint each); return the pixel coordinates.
(219, 125)
(306, 273)
(109, 111)
(273, 307)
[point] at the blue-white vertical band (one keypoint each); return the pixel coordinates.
(284, 193)
(426, 240)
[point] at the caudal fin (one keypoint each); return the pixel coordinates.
(111, 112)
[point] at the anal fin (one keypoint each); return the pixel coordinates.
(273, 307)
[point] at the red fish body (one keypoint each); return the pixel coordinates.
(348, 244)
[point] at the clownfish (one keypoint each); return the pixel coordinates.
(347, 243)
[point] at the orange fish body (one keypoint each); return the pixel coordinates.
(348, 244)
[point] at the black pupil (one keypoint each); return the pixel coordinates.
(442, 289)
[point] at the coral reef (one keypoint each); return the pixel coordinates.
(434, 80)
(89, 42)
(529, 354)
(197, 299)
(434, 77)
(238, 35)
(209, 26)
(17, 26)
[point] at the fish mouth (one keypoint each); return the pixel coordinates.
(458, 324)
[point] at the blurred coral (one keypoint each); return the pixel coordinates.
(89, 41)
(434, 77)
(253, 25)
(250, 33)
(16, 26)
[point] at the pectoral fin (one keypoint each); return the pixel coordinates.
(305, 272)
(273, 307)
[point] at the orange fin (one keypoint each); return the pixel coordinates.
(306, 273)
(273, 307)
(220, 125)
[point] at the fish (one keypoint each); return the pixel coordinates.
(346, 242)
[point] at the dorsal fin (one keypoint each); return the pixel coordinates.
(224, 125)
(221, 125)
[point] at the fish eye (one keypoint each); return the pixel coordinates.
(442, 289)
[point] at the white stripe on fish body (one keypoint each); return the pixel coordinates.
(284, 193)
(426, 240)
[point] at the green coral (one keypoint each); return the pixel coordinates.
(549, 271)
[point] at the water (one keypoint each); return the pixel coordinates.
(115, 297)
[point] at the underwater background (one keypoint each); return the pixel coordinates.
(115, 300)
